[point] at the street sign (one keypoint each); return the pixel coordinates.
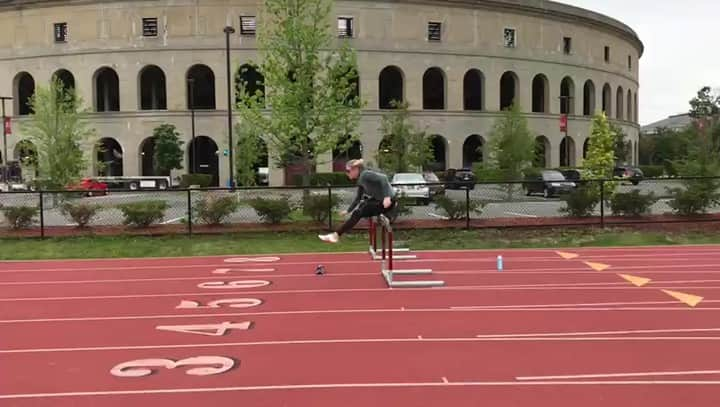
(8, 127)
(563, 122)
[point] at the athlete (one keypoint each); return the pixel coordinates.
(374, 196)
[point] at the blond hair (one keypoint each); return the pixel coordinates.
(354, 164)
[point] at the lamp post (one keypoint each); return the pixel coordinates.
(229, 30)
(4, 157)
(193, 156)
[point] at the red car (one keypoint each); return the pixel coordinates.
(92, 187)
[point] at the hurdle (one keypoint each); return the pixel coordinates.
(373, 248)
(387, 267)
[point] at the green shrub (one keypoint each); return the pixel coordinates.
(697, 197)
(332, 178)
(632, 203)
(79, 212)
(652, 171)
(484, 173)
(213, 210)
(319, 205)
(143, 214)
(272, 211)
(580, 202)
(457, 209)
(20, 217)
(203, 180)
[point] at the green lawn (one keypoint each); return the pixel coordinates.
(290, 242)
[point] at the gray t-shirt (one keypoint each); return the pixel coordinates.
(374, 185)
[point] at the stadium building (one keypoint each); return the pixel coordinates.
(458, 63)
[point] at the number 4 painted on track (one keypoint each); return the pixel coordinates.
(218, 329)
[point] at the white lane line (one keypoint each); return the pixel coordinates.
(520, 214)
(589, 304)
(363, 385)
(435, 215)
(445, 380)
(366, 341)
(590, 333)
(172, 220)
(619, 375)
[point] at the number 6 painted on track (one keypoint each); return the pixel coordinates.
(141, 367)
(234, 284)
(231, 303)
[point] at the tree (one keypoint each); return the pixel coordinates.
(404, 148)
(602, 143)
(58, 132)
(512, 145)
(705, 104)
(168, 149)
(248, 152)
(623, 147)
(312, 89)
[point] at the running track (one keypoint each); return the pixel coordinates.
(547, 331)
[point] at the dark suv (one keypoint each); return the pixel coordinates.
(549, 183)
(460, 179)
(632, 174)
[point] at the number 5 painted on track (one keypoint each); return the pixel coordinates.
(234, 284)
(219, 329)
(141, 367)
(231, 303)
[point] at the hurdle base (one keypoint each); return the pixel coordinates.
(409, 284)
(376, 256)
(412, 272)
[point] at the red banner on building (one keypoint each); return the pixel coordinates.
(563, 122)
(8, 128)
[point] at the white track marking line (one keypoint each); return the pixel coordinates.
(172, 220)
(362, 385)
(445, 380)
(366, 341)
(521, 214)
(591, 333)
(619, 375)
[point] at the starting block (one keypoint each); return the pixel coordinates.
(373, 249)
(387, 267)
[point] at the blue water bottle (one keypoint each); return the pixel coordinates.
(500, 263)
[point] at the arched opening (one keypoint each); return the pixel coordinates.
(567, 96)
(508, 89)
(589, 98)
(619, 103)
(263, 162)
(107, 90)
(200, 88)
(147, 157)
(629, 106)
(567, 152)
(24, 89)
(586, 144)
(25, 153)
(65, 78)
(635, 108)
(153, 91)
(473, 88)
(296, 165)
(542, 152)
(250, 81)
(438, 146)
(473, 150)
(391, 87)
(540, 94)
(607, 100)
(203, 158)
(108, 158)
(434, 89)
(342, 153)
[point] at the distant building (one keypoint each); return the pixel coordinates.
(676, 122)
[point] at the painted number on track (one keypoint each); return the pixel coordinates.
(204, 366)
(225, 271)
(252, 259)
(230, 302)
(206, 329)
(234, 284)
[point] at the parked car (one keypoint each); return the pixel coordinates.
(460, 179)
(93, 187)
(436, 187)
(549, 183)
(571, 175)
(627, 172)
(412, 185)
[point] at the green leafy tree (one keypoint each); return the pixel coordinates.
(512, 147)
(248, 153)
(600, 160)
(404, 148)
(58, 132)
(623, 147)
(706, 104)
(313, 96)
(168, 149)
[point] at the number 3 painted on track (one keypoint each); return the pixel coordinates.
(140, 367)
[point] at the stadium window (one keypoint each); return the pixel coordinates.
(345, 27)
(150, 27)
(60, 31)
(629, 62)
(567, 45)
(247, 25)
(607, 54)
(434, 31)
(510, 37)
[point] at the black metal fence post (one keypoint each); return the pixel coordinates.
(602, 204)
(330, 208)
(189, 211)
(467, 209)
(42, 216)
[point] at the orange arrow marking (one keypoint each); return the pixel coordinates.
(636, 281)
(688, 299)
(567, 256)
(597, 266)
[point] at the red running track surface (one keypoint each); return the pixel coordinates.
(544, 332)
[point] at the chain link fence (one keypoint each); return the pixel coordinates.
(483, 205)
